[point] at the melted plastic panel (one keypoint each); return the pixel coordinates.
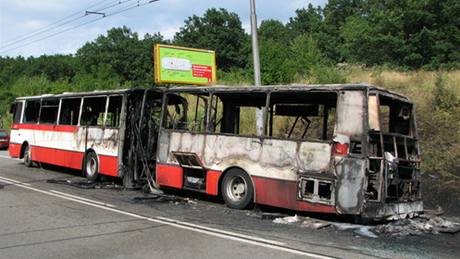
(373, 111)
(350, 113)
(350, 185)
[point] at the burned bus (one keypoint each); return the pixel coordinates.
(345, 149)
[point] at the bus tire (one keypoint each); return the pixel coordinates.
(27, 158)
(90, 166)
(237, 189)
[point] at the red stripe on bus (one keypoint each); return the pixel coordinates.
(108, 165)
(170, 175)
(212, 182)
(14, 150)
(44, 127)
(65, 158)
(283, 194)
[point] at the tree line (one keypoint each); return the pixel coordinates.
(310, 47)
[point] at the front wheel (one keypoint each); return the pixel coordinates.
(90, 167)
(237, 189)
(27, 157)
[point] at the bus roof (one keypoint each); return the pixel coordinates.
(235, 89)
(71, 94)
(283, 88)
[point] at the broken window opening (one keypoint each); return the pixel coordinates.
(309, 188)
(324, 190)
(216, 115)
(303, 116)
(70, 111)
(395, 116)
(235, 113)
(176, 112)
(93, 111)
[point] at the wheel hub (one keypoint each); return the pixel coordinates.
(237, 188)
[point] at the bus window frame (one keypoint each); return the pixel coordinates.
(57, 114)
(60, 110)
(105, 110)
(13, 110)
(266, 114)
(25, 108)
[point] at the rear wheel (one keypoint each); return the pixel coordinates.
(90, 167)
(237, 190)
(27, 156)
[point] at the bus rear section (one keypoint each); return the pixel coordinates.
(110, 133)
(393, 181)
(313, 154)
(74, 131)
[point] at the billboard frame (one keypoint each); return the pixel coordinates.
(157, 65)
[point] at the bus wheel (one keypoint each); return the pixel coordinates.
(90, 166)
(237, 190)
(27, 157)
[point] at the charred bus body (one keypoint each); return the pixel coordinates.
(345, 149)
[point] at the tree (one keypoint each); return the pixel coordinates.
(273, 63)
(218, 30)
(273, 30)
(305, 54)
(129, 57)
(54, 67)
(306, 20)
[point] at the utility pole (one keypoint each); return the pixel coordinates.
(255, 56)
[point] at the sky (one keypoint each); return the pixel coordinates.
(24, 19)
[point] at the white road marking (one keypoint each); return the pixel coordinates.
(220, 231)
(7, 157)
(14, 181)
(179, 224)
(84, 199)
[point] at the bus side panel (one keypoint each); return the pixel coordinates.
(169, 175)
(283, 194)
(104, 142)
(272, 164)
(59, 157)
(108, 165)
(212, 182)
(56, 145)
(14, 150)
(20, 133)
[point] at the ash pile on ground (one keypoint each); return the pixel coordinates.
(423, 224)
(86, 184)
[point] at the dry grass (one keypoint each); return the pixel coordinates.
(405, 82)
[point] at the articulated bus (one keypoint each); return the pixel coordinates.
(346, 149)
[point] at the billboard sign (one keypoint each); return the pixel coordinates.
(179, 65)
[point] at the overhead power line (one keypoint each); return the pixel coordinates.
(57, 23)
(139, 3)
(64, 22)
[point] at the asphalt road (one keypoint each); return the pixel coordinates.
(41, 219)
